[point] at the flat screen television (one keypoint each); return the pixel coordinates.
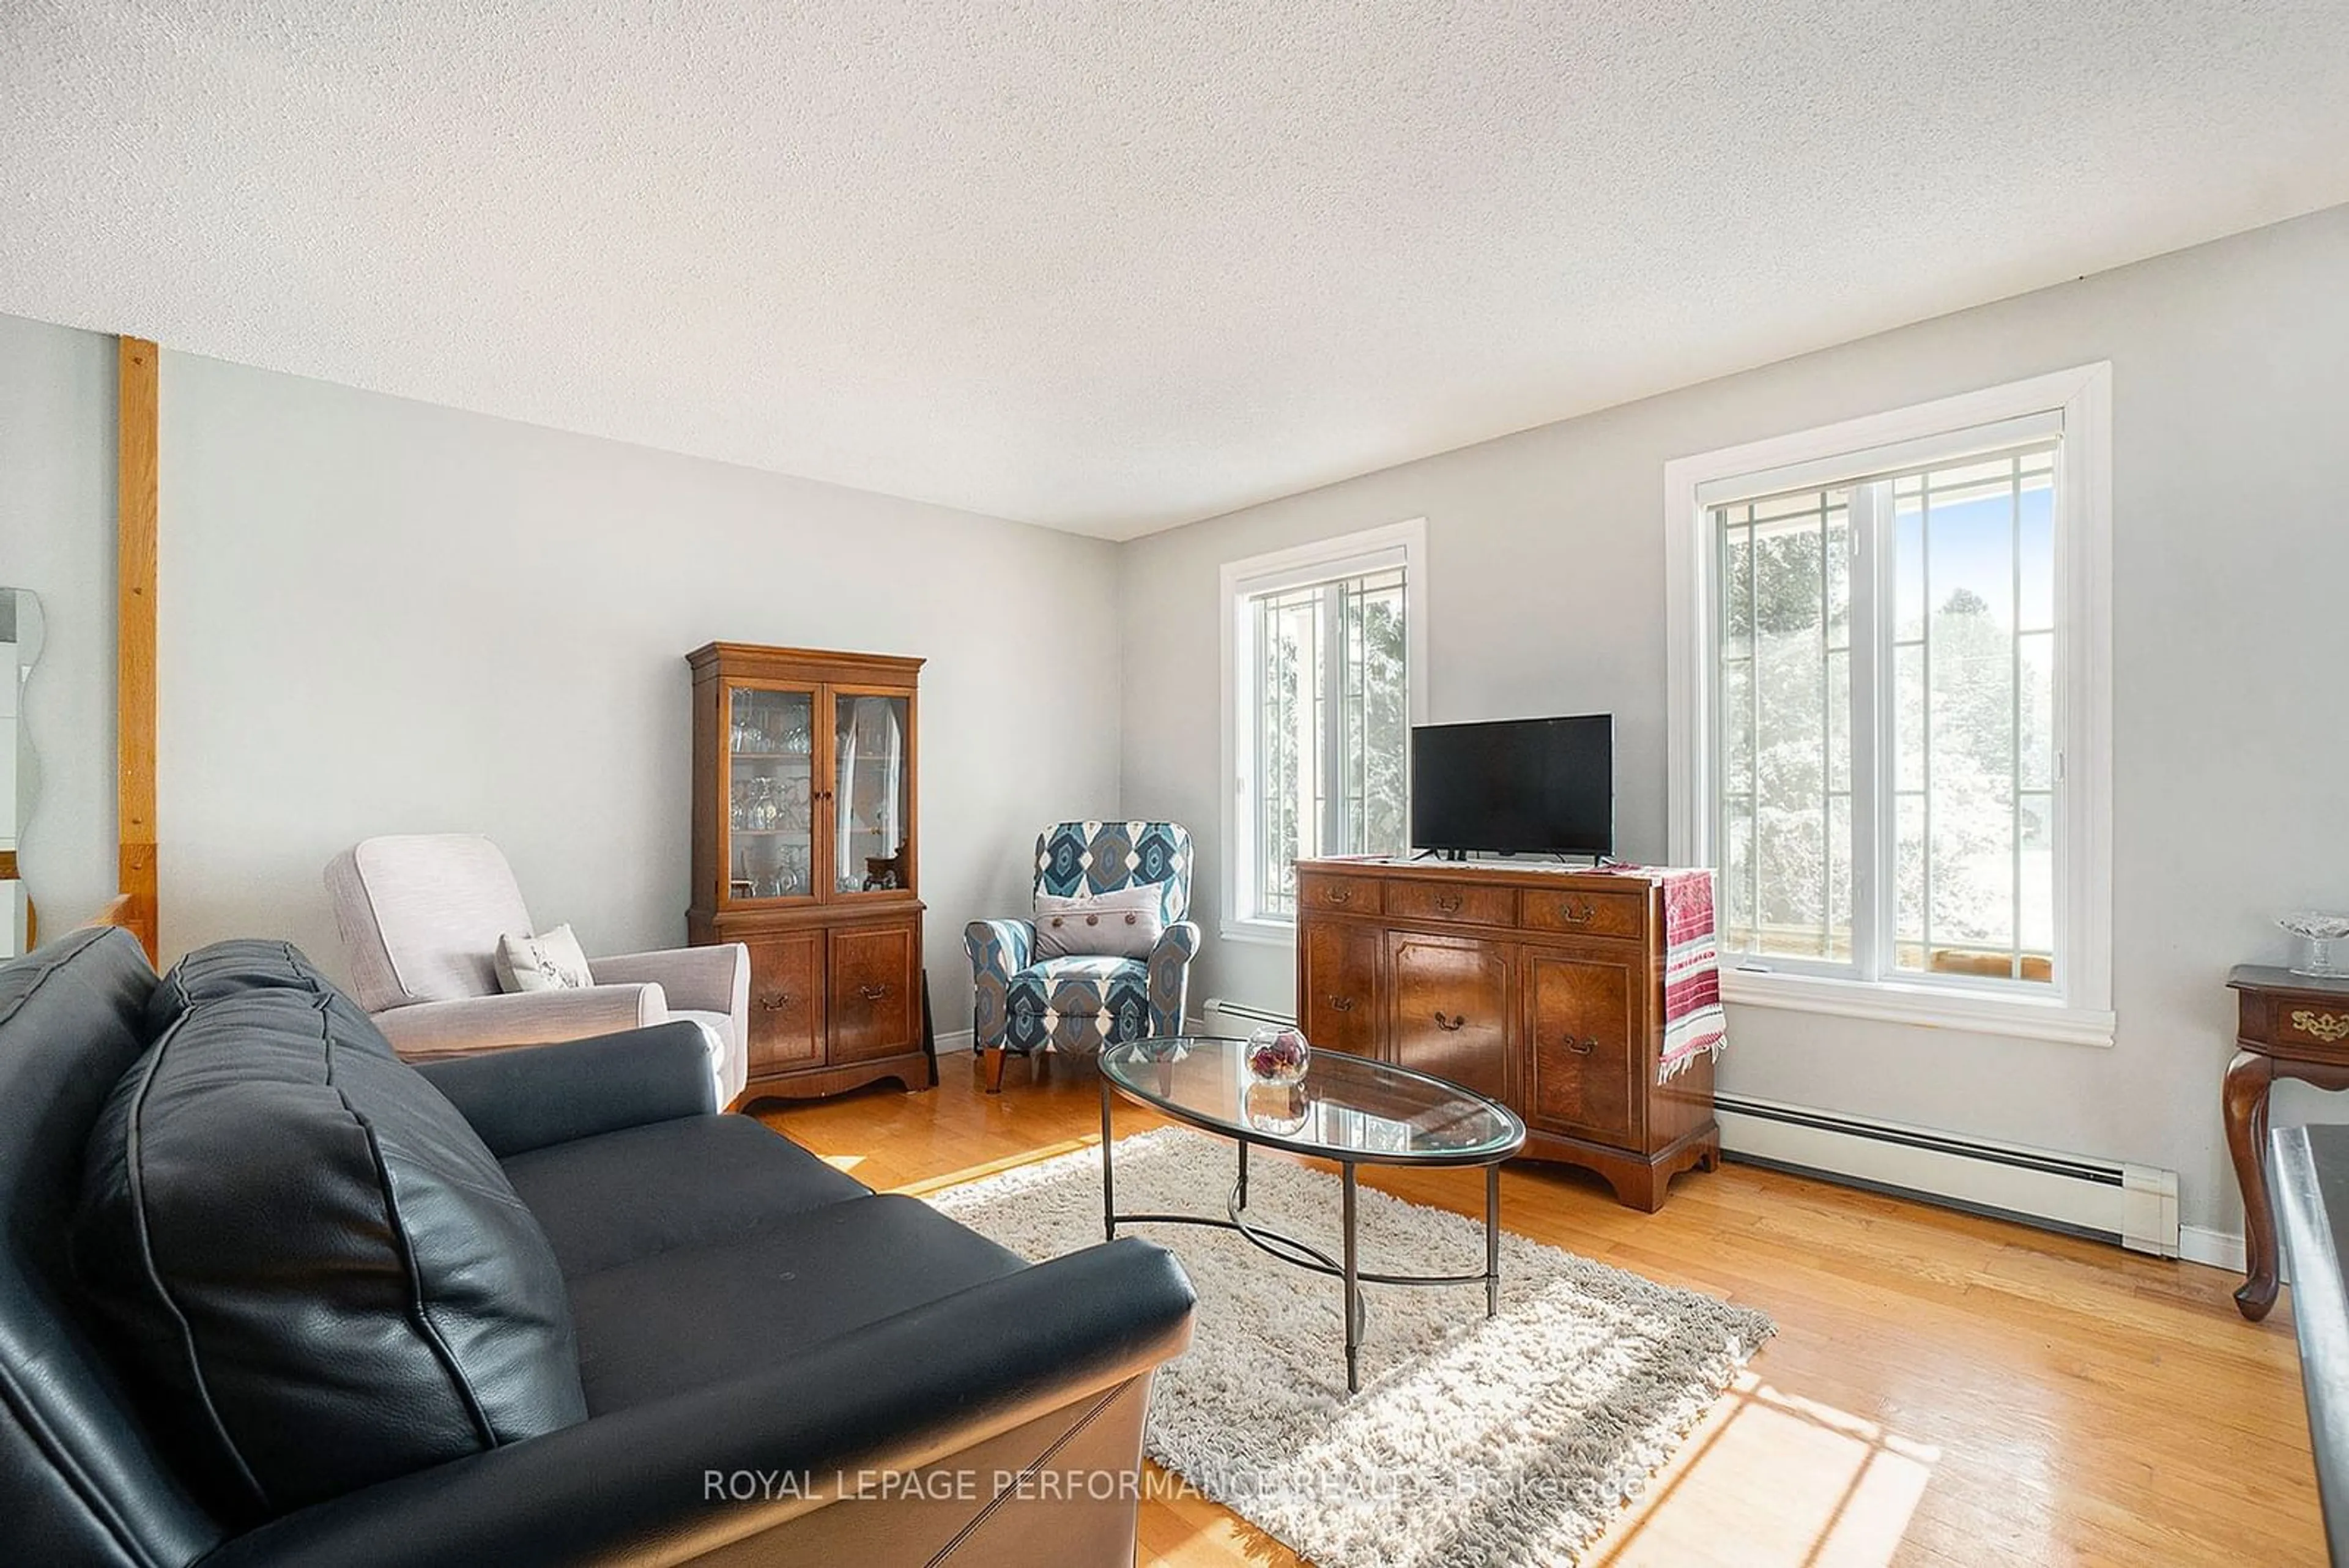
(1514, 787)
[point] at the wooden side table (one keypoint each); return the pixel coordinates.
(2288, 1027)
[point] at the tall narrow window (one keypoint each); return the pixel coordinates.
(1973, 639)
(1891, 736)
(1784, 734)
(1320, 712)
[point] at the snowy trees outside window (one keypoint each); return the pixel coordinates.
(1885, 735)
(1331, 727)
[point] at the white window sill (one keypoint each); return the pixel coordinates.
(1920, 1006)
(1262, 933)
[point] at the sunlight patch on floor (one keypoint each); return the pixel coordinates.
(996, 1167)
(1773, 1480)
(844, 1161)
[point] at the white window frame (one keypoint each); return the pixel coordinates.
(2078, 1008)
(1401, 544)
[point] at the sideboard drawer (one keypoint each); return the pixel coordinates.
(2305, 1023)
(1463, 901)
(1580, 914)
(1339, 895)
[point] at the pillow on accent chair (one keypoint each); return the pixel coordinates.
(551, 960)
(1126, 923)
(321, 1271)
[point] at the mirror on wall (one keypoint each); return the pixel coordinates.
(20, 645)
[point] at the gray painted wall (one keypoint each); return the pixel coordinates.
(382, 616)
(1545, 595)
(57, 538)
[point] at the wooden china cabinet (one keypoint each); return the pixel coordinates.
(805, 849)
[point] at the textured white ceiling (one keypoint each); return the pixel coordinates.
(1113, 266)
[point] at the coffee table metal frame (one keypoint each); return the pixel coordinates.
(1303, 1254)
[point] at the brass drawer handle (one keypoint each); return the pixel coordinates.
(1581, 1047)
(2326, 1026)
(872, 993)
(1338, 896)
(1450, 1025)
(1578, 914)
(1447, 903)
(1342, 1004)
(775, 1001)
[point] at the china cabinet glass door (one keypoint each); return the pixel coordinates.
(772, 795)
(871, 800)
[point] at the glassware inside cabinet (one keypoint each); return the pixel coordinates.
(872, 794)
(771, 745)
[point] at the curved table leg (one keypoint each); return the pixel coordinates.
(2249, 1077)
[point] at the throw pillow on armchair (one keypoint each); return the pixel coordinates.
(553, 961)
(1126, 923)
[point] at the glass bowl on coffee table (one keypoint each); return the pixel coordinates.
(1351, 1109)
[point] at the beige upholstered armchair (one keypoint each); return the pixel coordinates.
(420, 915)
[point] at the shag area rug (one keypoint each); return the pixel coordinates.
(1509, 1440)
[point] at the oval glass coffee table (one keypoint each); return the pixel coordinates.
(1349, 1109)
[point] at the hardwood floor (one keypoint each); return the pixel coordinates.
(1943, 1390)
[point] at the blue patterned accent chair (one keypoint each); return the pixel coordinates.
(1024, 1004)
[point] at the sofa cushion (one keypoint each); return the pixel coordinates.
(694, 1317)
(1078, 1003)
(420, 915)
(620, 1195)
(81, 1478)
(225, 969)
(323, 1275)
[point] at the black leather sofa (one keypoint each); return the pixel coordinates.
(772, 1364)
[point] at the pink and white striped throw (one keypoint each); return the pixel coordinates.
(1694, 1024)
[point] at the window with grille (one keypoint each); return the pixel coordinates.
(1320, 712)
(1965, 652)
(1894, 749)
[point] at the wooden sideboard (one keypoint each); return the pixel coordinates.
(803, 850)
(1541, 989)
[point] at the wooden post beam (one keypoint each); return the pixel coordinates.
(135, 507)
